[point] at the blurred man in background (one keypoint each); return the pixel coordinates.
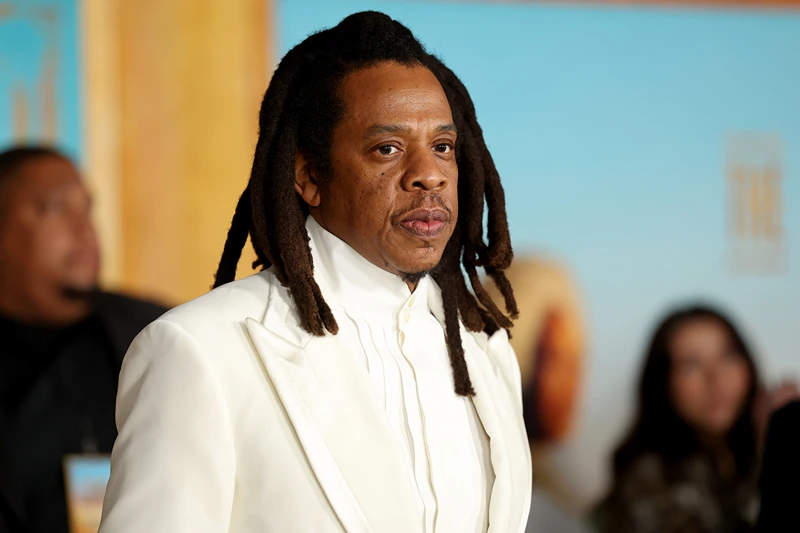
(780, 495)
(63, 339)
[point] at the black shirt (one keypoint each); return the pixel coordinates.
(780, 477)
(57, 397)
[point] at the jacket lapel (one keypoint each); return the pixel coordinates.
(331, 405)
(510, 455)
(500, 413)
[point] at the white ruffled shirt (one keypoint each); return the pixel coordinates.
(402, 346)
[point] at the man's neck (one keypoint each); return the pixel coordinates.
(412, 279)
(350, 280)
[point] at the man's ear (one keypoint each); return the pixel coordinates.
(305, 183)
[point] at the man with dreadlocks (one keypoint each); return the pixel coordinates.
(356, 384)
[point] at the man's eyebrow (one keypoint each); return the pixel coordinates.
(379, 129)
(397, 128)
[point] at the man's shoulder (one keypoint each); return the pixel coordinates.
(129, 306)
(790, 411)
(787, 419)
(209, 330)
(123, 317)
(231, 303)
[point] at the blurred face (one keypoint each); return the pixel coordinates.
(393, 193)
(556, 378)
(709, 379)
(49, 257)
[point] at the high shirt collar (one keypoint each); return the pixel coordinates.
(363, 289)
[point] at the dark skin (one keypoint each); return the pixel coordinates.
(393, 192)
(49, 254)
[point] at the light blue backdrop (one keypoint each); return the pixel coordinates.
(28, 29)
(609, 127)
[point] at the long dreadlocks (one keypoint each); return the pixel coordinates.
(298, 114)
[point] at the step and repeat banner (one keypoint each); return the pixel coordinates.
(651, 157)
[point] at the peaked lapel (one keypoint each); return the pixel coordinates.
(510, 497)
(345, 436)
(500, 414)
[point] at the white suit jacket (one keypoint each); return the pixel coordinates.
(234, 419)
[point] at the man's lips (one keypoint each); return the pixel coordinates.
(425, 223)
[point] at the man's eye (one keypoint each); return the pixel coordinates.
(387, 149)
(443, 148)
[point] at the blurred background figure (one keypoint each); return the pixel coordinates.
(550, 343)
(690, 461)
(62, 338)
(549, 339)
(780, 492)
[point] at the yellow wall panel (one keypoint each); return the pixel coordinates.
(191, 76)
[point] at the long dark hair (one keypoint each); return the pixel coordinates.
(299, 112)
(657, 427)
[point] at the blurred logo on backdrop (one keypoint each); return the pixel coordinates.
(29, 64)
(755, 208)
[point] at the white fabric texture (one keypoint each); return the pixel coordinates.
(232, 418)
(403, 348)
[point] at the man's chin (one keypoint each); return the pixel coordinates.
(80, 294)
(413, 271)
(412, 262)
(414, 277)
(70, 307)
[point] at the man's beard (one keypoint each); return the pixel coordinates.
(414, 277)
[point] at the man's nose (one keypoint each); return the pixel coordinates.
(424, 172)
(82, 226)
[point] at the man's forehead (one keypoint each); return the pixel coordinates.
(389, 92)
(49, 174)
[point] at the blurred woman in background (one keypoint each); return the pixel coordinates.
(689, 464)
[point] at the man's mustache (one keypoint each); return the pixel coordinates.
(432, 200)
(76, 294)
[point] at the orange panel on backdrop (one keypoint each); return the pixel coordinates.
(189, 79)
